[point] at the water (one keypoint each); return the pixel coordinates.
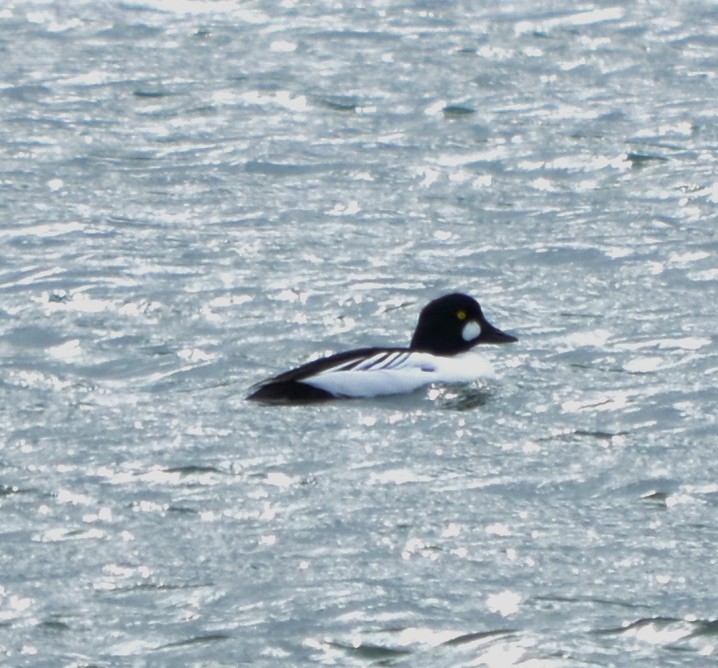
(197, 195)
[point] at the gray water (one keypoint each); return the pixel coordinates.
(195, 195)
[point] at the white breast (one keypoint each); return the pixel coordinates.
(400, 373)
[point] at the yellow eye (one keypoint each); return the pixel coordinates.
(461, 315)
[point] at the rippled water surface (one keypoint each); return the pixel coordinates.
(195, 195)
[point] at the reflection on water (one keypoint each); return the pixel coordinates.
(195, 194)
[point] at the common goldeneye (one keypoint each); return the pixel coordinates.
(440, 351)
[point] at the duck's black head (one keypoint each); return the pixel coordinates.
(452, 324)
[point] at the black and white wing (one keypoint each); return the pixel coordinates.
(369, 372)
(356, 373)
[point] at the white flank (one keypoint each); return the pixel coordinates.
(405, 373)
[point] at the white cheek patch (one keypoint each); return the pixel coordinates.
(471, 331)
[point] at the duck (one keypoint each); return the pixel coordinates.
(440, 351)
